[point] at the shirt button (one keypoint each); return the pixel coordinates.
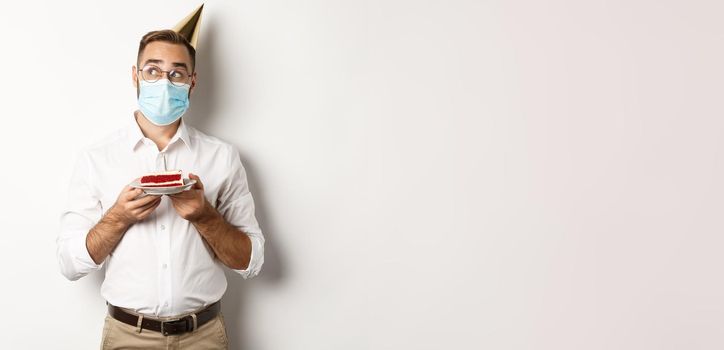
(164, 266)
(165, 304)
(163, 227)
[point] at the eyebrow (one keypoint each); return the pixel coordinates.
(175, 64)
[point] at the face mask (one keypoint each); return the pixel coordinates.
(163, 102)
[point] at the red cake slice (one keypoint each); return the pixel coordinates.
(162, 179)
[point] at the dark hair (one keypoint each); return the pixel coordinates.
(168, 36)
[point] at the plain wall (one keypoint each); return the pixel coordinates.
(428, 174)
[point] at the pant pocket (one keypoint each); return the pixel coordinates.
(107, 324)
(222, 330)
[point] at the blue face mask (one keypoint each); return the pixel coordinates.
(163, 102)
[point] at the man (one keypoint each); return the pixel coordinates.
(163, 254)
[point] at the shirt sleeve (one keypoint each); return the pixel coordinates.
(81, 212)
(236, 205)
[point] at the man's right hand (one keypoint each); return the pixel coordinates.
(129, 209)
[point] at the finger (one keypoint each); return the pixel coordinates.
(186, 193)
(129, 186)
(142, 202)
(144, 213)
(176, 198)
(198, 185)
(131, 193)
(144, 194)
(143, 208)
(147, 199)
(151, 205)
(139, 209)
(180, 195)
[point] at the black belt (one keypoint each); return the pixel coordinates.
(170, 327)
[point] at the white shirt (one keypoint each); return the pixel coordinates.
(161, 266)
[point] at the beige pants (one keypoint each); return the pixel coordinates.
(118, 335)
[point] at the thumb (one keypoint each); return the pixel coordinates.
(198, 184)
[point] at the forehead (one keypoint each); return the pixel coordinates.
(166, 52)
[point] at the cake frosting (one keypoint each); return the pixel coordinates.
(170, 178)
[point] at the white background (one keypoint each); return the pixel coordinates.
(429, 174)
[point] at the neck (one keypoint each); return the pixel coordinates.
(160, 135)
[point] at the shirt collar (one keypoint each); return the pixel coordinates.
(135, 135)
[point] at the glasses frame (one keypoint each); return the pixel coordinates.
(166, 72)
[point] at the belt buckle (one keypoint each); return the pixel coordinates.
(184, 319)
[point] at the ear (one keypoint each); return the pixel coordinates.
(193, 82)
(134, 76)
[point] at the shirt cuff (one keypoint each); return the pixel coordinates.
(81, 256)
(257, 257)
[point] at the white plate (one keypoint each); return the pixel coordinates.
(188, 183)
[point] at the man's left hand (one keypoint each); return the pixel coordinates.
(190, 204)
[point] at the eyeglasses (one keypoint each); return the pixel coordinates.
(177, 76)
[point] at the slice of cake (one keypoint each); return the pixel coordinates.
(170, 178)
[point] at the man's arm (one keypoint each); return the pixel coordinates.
(81, 212)
(105, 235)
(86, 235)
(231, 245)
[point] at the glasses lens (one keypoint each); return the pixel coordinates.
(151, 73)
(178, 76)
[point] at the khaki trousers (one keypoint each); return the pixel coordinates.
(118, 335)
